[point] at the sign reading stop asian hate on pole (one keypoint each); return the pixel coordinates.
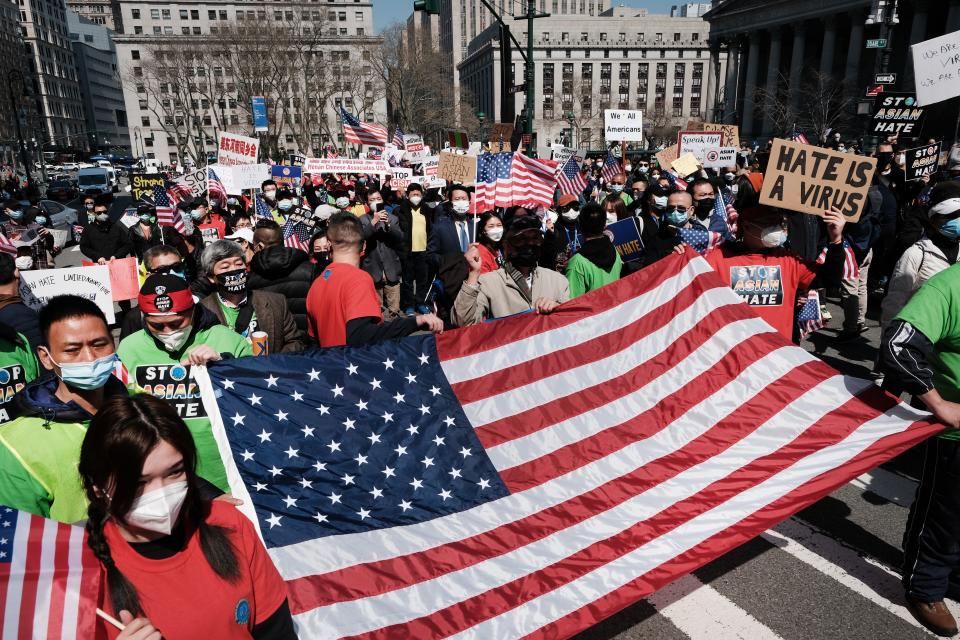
(814, 180)
(922, 161)
(936, 68)
(620, 125)
(234, 149)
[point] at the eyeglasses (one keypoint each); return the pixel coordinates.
(167, 268)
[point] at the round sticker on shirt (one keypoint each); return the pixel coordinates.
(241, 614)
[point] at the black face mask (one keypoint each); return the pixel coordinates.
(704, 207)
(527, 256)
(321, 257)
(232, 282)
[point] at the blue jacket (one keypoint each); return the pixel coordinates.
(20, 317)
(444, 238)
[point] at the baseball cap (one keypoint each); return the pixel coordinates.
(243, 233)
(566, 199)
(163, 295)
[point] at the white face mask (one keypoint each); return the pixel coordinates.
(773, 236)
(23, 263)
(415, 200)
(571, 215)
(611, 217)
(460, 206)
(173, 342)
(495, 234)
(343, 203)
(550, 216)
(158, 510)
(270, 195)
(628, 168)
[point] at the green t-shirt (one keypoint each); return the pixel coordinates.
(934, 311)
(18, 366)
(230, 314)
(585, 276)
(158, 372)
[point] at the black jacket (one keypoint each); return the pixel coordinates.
(405, 215)
(288, 272)
(20, 317)
(141, 243)
(110, 240)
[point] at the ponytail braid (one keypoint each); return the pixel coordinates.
(123, 595)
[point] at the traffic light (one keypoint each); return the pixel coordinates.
(430, 6)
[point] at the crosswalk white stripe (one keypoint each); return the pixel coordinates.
(703, 613)
(890, 486)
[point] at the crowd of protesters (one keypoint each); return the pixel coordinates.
(383, 263)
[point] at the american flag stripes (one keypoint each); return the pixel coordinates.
(168, 215)
(570, 179)
(357, 132)
(507, 179)
(263, 211)
(810, 317)
(699, 238)
(215, 188)
(49, 579)
(6, 246)
(296, 236)
(529, 477)
(398, 137)
(851, 268)
(611, 167)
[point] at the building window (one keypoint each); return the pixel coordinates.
(564, 37)
(658, 38)
(360, 31)
(135, 54)
(194, 14)
(155, 14)
(135, 14)
(138, 30)
(211, 14)
(145, 121)
(677, 106)
(165, 13)
(184, 14)
(196, 31)
(359, 16)
(584, 36)
(185, 30)
(676, 37)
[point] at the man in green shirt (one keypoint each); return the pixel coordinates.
(18, 367)
(597, 262)
(921, 352)
(161, 356)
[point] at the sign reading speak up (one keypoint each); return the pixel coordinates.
(812, 180)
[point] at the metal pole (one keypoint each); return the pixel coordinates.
(24, 156)
(531, 73)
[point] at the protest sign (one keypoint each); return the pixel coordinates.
(196, 181)
(562, 154)
(288, 177)
(129, 217)
(430, 182)
(296, 160)
(457, 168)
(239, 177)
(92, 283)
(666, 157)
(812, 180)
(233, 149)
(720, 157)
(685, 165)
(694, 125)
(936, 68)
(697, 143)
(922, 161)
(501, 131)
(431, 164)
(731, 133)
(345, 165)
(142, 185)
(124, 277)
(626, 238)
(896, 113)
(412, 143)
(400, 178)
(620, 125)
(259, 108)
(173, 383)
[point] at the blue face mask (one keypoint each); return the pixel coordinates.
(676, 217)
(16, 215)
(285, 205)
(616, 188)
(951, 229)
(196, 214)
(40, 220)
(88, 375)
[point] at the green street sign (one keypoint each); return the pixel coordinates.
(879, 43)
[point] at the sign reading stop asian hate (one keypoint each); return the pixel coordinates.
(814, 180)
(922, 161)
(896, 114)
(457, 168)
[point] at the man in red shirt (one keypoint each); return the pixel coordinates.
(342, 306)
(766, 276)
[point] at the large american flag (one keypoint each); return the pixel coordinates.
(49, 579)
(357, 132)
(168, 215)
(531, 476)
(507, 179)
(570, 179)
(611, 167)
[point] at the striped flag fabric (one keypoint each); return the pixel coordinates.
(168, 215)
(506, 179)
(49, 579)
(529, 477)
(357, 132)
(534, 180)
(699, 238)
(570, 179)
(398, 137)
(262, 210)
(810, 317)
(611, 167)
(6, 246)
(215, 188)
(851, 268)
(296, 236)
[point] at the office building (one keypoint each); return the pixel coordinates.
(102, 12)
(689, 10)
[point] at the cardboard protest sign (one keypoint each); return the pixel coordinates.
(501, 131)
(457, 168)
(666, 157)
(896, 113)
(430, 182)
(812, 180)
(697, 143)
(731, 133)
(124, 277)
(685, 165)
(936, 68)
(288, 177)
(620, 125)
(196, 181)
(238, 178)
(626, 239)
(922, 161)
(233, 149)
(694, 125)
(142, 185)
(92, 283)
(720, 157)
(345, 165)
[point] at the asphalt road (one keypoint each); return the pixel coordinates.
(830, 572)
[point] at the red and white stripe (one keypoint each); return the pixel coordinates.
(533, 181)
(367, 133)
(50, 587)
(851, 269)
(6, 246)
(643, 430)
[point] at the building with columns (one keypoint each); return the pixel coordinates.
(777, 45)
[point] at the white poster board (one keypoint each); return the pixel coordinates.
(698, 143)
(238, 178)
(196, 181)
(936, 67)
(232, 148)
(620, 125)
(345, 165)
(92, 283)
(720, 157)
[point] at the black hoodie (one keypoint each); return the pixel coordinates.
(600, 251)
(288, 272)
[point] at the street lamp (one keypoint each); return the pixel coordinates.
(15, 88)
(481, 116)
(570, 121)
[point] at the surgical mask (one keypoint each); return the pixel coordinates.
(528, 256)
(571, 214)
(773, 236)
(232, 202)
(285, 205)
(949, 229)
(173, 342)
(232, 281)
(362, 181)
(495, 234)
(102, 217)
(461, 206)
(675, 216)
(611, 217)
(146, 218)
(40, 220)
(616, 188)
(729, 177)
(15, 215)
(628, 168)
(88, 207)
(196, 214)
(432, 205)
(415, 200)
(23, 263)
(324, 214)
(87, 375)
(375, 206)
(158, 510)
(343, 203)
(644, 168)
(660, 202)
(270, 195)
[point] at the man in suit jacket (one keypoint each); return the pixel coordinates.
(453, 230)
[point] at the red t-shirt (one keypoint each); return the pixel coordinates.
(769, 282)
(342, 293)
(184, 598)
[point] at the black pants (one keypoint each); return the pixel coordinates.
(416, 280)
(931, 543)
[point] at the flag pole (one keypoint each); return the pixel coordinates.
(109, 618)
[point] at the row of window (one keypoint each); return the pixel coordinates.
(196, 31)
(221, 14)
(586, 106)
(622, 37)
(679, 53)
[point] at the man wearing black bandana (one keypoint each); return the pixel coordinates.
(245, 311)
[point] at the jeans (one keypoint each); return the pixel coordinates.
(853, 296)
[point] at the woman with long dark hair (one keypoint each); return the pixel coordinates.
(176, 566)
(489, 236)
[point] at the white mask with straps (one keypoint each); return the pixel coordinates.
(158, 510)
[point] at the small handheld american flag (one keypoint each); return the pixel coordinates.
(570, 180)
(810, 317)
(398, 137)
(611, 167)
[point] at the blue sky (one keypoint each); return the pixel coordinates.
(387, 11)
